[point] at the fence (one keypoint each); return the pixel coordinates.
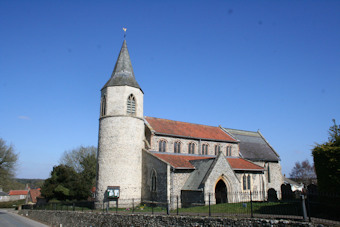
(241, 204)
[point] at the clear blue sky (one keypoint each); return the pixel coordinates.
(268, 65)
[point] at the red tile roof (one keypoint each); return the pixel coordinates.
(18, 192)
(183, 161)
(185, 129)
(34, 193)
(180, 161)
(242, 164)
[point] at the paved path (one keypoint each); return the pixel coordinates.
(9, 218)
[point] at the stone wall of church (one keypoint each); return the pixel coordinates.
(170, 141)
(256, 186)
(178, 179)
(150, 164)
(275, 180)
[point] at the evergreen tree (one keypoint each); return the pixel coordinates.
(327, 161)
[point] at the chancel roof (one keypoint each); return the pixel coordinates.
(253, 145)
(188, 130)
(123, 72)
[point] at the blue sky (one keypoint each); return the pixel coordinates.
(268, 65)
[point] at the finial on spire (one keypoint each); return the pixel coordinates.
(124, 29)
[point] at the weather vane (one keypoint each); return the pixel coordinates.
(124, 29)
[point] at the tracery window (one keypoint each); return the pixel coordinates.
(131, 105)
(191, 148)
(177, 147)
(103, 106)
(162, 146)
(204, 149)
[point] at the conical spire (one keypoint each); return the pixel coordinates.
(123, 73)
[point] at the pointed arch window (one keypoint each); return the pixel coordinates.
(217, 149)
(162, 146)
(131, 105)
(177, 147)
(191, 148)
(246, 182)
(228, 151)
(204, 149)
(153, 181)
(103, 106)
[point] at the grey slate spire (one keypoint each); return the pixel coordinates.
(123, 73)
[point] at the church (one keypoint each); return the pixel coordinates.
(153, 159)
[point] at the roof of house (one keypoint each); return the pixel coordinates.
(18, 192)
(34, 193)
(3, 194)
(254, 146)
(181, 161)
(196, 178)
(188, 130)
(123, 72)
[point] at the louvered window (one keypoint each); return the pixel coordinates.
(131, 105)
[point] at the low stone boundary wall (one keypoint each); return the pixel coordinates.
(96, 219)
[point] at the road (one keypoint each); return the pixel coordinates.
(8, 218)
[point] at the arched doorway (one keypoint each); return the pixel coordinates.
(221, 193)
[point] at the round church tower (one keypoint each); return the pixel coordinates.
(121, 135)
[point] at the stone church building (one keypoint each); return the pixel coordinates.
(154, 159)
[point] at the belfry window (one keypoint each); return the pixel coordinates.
(131, 105)
(162, 146)
(103, 106)
(177, 147)
(191, 148)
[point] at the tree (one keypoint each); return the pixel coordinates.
(61, 185)
(327, 161)
(74, 158)
(303, 172)
(80, 165)
(8, 161)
